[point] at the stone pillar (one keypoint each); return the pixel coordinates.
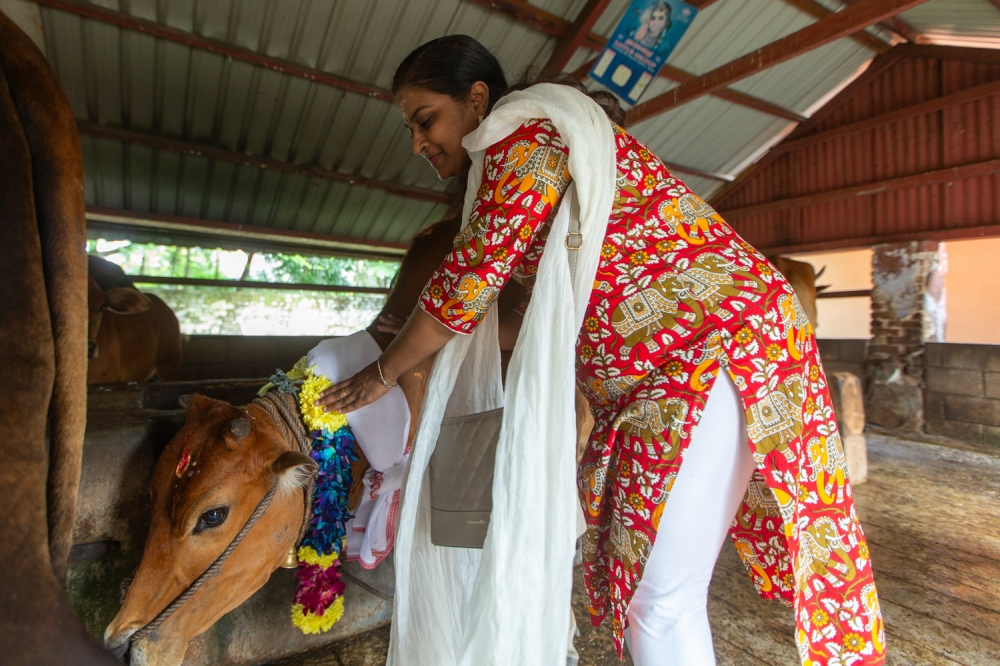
(845, 390)
(907, 310)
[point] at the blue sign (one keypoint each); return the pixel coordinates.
(643, 40)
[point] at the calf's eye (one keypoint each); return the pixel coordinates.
(211, 518)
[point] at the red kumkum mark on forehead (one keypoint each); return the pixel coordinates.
(185, 460)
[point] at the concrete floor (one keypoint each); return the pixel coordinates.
(932, 517)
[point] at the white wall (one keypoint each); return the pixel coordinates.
(972, 287)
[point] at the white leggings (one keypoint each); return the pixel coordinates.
(668, 616)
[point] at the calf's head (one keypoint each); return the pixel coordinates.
(205, 486)
(123, 301)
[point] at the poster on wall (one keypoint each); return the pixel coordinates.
(642, 42)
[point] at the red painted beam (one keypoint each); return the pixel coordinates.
(968, 233)
(575, 35)
(728, 94)
(556, 26)
(973, 170)
(827, 30)
(160, 31)
(818, 11)
(258, 161)
(734, 96)
(249, 284)
(901, 27)
(328, 242)
(923, 108)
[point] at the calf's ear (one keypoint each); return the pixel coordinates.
(294, 470)
(125, 301)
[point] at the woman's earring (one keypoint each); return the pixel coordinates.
(480, 120)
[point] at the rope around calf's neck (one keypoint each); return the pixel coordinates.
(286, 418)
(210, 572)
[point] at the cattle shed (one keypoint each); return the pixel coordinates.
(863, 135)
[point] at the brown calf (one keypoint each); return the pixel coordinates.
(132, 337)
(206, 484)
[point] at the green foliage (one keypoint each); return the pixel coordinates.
(249, 311)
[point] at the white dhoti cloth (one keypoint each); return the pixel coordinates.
(381, 430)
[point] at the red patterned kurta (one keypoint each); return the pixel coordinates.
(679, 297)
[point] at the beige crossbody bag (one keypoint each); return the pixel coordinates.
(461, 466)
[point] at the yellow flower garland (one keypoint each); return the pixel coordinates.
(313, 624)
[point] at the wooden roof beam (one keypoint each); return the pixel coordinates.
(902, 28)
(225, 49)
(824, 31)
(875, 122)
(575, 35)
(297, 240)
(261, 162)
(818, 11)
(556, 26)
(974, 170)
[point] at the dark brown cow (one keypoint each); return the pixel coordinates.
(43, 319)
(132, 336)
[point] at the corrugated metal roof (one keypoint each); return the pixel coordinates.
(957, 22)
(122, 78)
(961, 135)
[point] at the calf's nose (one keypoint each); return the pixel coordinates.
(91, 349)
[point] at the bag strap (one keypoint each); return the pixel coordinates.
(574, 239)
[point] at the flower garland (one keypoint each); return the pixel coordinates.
(319, 593)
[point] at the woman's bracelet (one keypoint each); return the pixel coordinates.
(378, 364)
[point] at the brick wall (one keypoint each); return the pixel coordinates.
(243, 356)
(963, 392)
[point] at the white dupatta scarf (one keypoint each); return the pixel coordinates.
(510, 602)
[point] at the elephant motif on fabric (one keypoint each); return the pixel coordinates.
(613, 388)
(474, 295)
(712, 278)
(820, 542)
(645, 313)
(875, 624)
(753, 564)
(630, 188)
(758, 504)
(531, 166)
(710, 354)
(629, 546)
(796, 324)
(690, 217)
(661, 420)
(471, 242)
(774, 421)
(829, 467)
(592, 479)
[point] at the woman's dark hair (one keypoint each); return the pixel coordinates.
(604, 99)
(450, 65)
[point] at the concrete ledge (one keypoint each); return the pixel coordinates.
(241, 356)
